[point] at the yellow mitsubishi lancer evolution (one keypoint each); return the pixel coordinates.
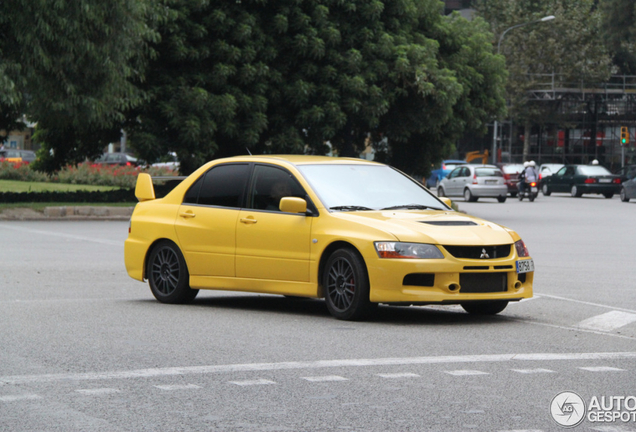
(353, 232)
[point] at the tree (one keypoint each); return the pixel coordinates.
(567, 48)
(70, 66)
(619, 18)
(231, 77)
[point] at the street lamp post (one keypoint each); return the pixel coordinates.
(495, 125)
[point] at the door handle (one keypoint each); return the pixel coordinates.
(187, 215)
(248, 220)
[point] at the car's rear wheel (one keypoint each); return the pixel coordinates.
(485, 307)
(168, 275)
(545, 190)
(608, 195)
(575, 192)
(468, 196)
(624, 197)
(346, 285)
(501, 199)
(440, 192)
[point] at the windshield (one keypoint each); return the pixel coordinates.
(593, 170)
(367, 187)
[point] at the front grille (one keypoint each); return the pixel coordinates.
(483, 282)
(477, 252)
(419, 279)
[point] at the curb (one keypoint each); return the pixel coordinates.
(68, 213)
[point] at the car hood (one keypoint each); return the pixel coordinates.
(437, 227)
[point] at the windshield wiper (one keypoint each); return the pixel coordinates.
(350, 208)
(411, 207)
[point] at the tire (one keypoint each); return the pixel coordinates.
(168, 275)
(501, 199)
(513, 194)
(624, 197)
(468, 196)
(531, 197)
(545, 190)
(346, 286)
(485, 307)
(608, 195)
(520, 196)
(440, 192)
(575, 192)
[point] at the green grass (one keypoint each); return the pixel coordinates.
(22, 186)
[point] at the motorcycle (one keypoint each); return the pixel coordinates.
(530, 191)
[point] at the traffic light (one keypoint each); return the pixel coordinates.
(624, 135)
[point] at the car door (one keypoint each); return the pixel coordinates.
(562, 180)
(271, 244)
(206, 221)
(451, 184)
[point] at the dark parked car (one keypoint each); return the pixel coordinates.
(442, 171)
(116, 159)
(15, 155)
(628, 186)
(582, 179)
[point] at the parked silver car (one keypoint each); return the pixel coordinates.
(474, 182)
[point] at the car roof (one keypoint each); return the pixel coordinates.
(300, 159)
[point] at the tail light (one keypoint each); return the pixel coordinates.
(540, 176)
(128, 164)
(443, 167)
(590, 180)
(475, 179)
(533, 184)
(617, 181)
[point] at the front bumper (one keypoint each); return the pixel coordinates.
(440, 281)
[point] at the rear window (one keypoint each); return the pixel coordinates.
(512, 169)
(488, 172)
(593, 170)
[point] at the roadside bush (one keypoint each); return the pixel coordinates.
(20, 171)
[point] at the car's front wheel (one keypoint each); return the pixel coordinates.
(168, 275)
(485, 307)
(440, 192)
(624, 197)
(346, 285)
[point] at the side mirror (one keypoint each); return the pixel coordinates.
(144, 190)
(293, 205)
(446, 201)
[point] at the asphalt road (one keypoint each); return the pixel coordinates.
(85, 348)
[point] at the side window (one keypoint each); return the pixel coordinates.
(192, 195)
(465, 172)
(562, 171)
(223, 186)
(269, 185)
(570, 171)
(454, 173)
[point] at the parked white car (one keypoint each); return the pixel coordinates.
(473, 182)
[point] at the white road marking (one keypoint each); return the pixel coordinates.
(602, 369)
(466, 372)
(252, 382)
(69, 236)
(612, 429)
(97, 391)
(399, 375)
(578, 329)
(317, 364)
(587, 303)
(608, 321)
(178, 387)
(522, 430)
(13, 398)
(533, 371)
(325, 378)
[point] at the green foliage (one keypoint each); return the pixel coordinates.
(619, 25)
(286, 76)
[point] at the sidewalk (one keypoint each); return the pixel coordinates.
(68, 213)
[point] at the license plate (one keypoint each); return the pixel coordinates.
(525, 266)
(605, 180)
(491, 181)
(534, 190)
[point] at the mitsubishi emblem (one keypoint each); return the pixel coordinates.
(484, 254)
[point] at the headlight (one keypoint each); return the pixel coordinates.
(407, 250)
(522, 250)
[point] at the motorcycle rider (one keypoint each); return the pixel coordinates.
(527, 176)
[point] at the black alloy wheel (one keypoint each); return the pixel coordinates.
(485, 307)
(168, 275)
(346, 286)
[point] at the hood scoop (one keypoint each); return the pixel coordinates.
(449, 223)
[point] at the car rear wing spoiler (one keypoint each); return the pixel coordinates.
(145, 190)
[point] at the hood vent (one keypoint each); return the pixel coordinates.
(449, 223)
